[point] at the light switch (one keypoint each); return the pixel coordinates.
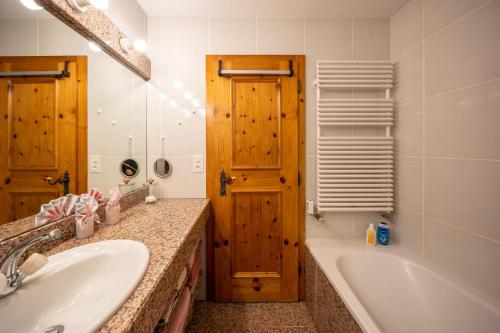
(198, 163)
(95, 163)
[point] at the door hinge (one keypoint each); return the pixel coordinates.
(299, 85)
(299, 178)
(300, 268)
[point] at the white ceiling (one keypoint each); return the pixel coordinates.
(273, 8)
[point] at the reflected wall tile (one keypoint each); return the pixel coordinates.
(18, 37)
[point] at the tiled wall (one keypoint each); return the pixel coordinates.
(177, 49)
(115, 94)
(447, 55)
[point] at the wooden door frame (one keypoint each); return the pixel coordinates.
(210, 260)
(82, 122)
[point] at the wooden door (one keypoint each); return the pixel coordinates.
(253, 133)
(42, 133)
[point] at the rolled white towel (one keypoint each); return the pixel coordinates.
(33, 264)
(3, 282)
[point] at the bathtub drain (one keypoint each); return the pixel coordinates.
(53, 329)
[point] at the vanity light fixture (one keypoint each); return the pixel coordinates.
(140, 45)
(31, 4)
(81, 5)
(94, 47)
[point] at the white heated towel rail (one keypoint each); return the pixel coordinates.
(355, 173)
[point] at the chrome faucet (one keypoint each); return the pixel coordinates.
(9, 266)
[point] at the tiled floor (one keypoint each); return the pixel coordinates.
(209, 317)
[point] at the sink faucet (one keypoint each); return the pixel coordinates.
(9, 266)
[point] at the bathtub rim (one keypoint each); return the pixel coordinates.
(351, 301)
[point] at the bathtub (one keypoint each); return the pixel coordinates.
(389, 289)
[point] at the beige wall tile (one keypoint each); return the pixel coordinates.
(464, 124)
(232, 35)
(280, 35)
(371, 39)
(328, 39)
(466, 53)
(409, 76)
(185, 37)
(464, 193)
(408, 175)
(406, 27)
(56, 38)
(335, 225)
(410, 228)
(155, 43)
(408, 129)
(440, 13)
(18, 37)
(472, 258)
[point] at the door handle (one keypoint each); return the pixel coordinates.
(61, 180)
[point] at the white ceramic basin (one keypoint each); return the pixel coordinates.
(81, 288)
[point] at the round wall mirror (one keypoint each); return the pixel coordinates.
(162, 168)
(129, 168)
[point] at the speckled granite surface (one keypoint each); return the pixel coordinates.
(65, 225)
(210, 317)
(170, 229)
(327, 308)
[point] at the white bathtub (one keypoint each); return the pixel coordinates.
(388, 289)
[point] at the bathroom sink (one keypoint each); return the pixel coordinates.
(79, 289)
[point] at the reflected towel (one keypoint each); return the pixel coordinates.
(195, 272)
(180, 315)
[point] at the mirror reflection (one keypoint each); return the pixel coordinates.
(70, 117)
(162, 168)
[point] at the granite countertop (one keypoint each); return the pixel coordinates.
(163, 227)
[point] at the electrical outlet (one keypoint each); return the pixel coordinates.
(95, 163)
(198, 163)
(310, 207)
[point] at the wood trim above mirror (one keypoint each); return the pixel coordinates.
(97, 27)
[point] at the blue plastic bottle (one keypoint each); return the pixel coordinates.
(383, 233)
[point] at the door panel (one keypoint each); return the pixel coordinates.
(253, 136)
(39, 133)
(256, 117)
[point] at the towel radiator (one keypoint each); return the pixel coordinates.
(354, 173)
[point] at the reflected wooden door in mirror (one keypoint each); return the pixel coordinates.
(43, 133)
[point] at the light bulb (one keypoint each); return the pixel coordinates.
(31, 4)
(140, 45)
(100, 4)
(188, 95)
(178, 85)
(173, 104)
(195, 103)
(94, 47)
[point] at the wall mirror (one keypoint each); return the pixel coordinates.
(129, 168)
(66, 109)
(162, 168)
